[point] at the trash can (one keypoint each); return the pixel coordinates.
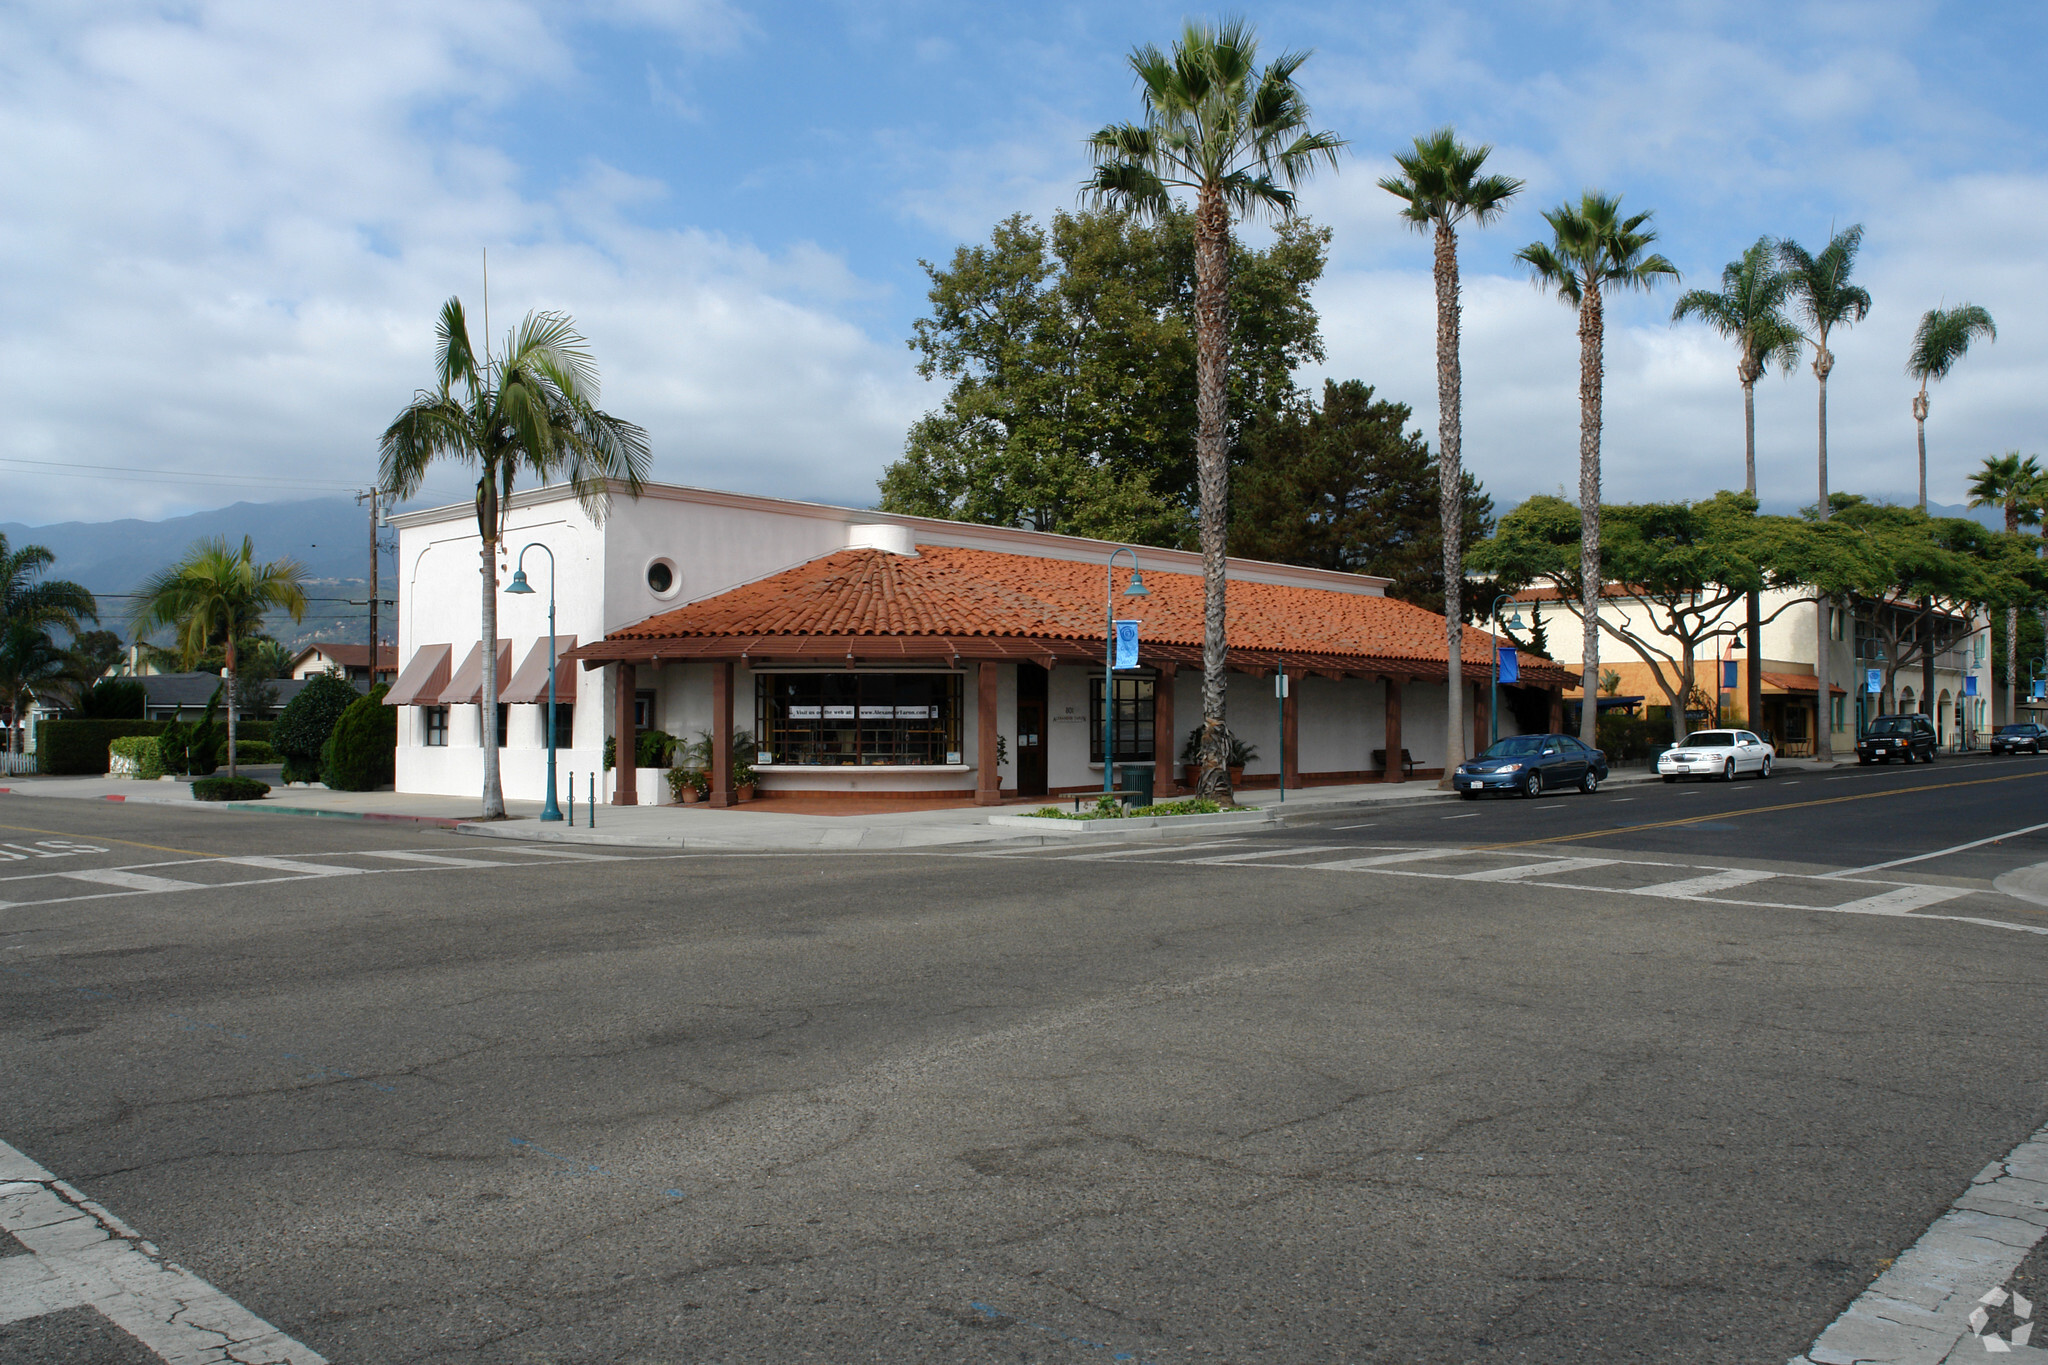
(1136, 777)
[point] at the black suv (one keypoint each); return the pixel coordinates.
(2022, 738)
(1902, 737)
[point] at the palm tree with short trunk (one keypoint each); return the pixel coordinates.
(217, 595)
(30, 606)
(1441, 185)
(532, 410)
(1942, 338)
(1237, 137)
(2016, 484)
(1749, 310)
(1826, 299)
(1593, 249)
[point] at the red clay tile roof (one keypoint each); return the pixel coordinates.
(959, 593)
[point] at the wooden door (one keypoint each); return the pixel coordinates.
(1030, 746)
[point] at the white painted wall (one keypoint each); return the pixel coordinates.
(1422, 724)
(1341, 721)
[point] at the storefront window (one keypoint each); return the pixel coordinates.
(1131, 727)
(436, 719)
(846, 719)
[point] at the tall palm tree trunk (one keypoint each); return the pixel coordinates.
(1753, 689)
(1212, 263)
(2012, 662)
(1926, 603)
(230, 680)
(1920, 422)
(494, 793)
(1824, 734)
(1591, 324)
(1450, 441)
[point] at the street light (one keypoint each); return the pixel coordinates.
(1493, 711)
(549, 811)
(1136, 589)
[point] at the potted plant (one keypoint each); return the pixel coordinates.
(1191, 760)
(1241, 753)
(744, 777)
(687, 785)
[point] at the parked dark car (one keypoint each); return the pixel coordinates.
(2018, 739)
(1531, 765)
(1902, 737)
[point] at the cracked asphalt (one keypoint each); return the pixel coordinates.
(885, 1107)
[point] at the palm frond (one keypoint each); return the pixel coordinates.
(454, 357)
(1944, 336)
(431, 426)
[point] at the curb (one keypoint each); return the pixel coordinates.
(250, 808)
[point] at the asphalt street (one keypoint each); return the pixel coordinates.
(1660, 1073)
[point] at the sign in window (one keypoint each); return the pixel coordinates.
(858, 719)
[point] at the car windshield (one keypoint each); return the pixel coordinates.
(1521, 746)
(1891, 725)
(2015, 729)
(1711, 739)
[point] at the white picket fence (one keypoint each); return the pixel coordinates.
(17, 765)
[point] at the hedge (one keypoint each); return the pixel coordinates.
(229, 789)
(142, 752)
(362, 753)
(73, 748)
(301, 731)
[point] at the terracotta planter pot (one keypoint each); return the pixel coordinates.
(1191, 774)
(745, 793)
(1237, 776)
(691, 796)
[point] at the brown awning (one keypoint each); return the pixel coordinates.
(423, 678)
(530, 683)
(467, 689)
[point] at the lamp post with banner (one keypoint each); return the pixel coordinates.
(1119, 638)
(1493, 710)
(549, 810)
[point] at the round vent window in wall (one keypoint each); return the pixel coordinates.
(662, 578)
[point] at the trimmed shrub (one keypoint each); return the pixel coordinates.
(136, 756)
(1628, 739)
(301, 732)
(75, 748)
(113, 699)
(362, 753)
(249, 750)
(229, 789)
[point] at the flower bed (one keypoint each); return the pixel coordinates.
(1108, 808)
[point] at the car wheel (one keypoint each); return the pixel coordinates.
(1764, 769)
(1534, 786)
(1590, 783)
(1728, 771)
(1930, 756)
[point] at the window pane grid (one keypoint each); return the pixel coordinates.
(858, 719)
(1130, 722)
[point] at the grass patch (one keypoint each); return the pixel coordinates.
(1109, 808)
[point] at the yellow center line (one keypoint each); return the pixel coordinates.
(103, 839)
(1754, 810)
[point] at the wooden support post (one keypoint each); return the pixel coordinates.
(1290, 736)
(1393, 772)
(1163, 749)
(625, 746)
(1480, 715)
(1556, 710)
(721, 733)
(988, 780)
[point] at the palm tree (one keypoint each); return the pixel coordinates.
(2020, 487)
(1237, 137)
(30, 662)
(1826, 299)
(32, 603)
(216, 595)
(534, 409)
(1593, 248)
(1441, 185)
(1749, 310)
(1943, 338)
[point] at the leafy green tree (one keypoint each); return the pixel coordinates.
(1679, 567)
(1237, 137)
(2017, 485)
(1347, 486)
(30, 662)
(1593, 249)
(31, 606)
(1826, 300)
(1942, 338)
(533, 410)
(216, 595)
(1070, 355)
(361, 752)
(1441, 186)
(308, 719)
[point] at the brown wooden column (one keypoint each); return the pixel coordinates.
(1290, 737)
(988, 782)
(1480, 710)
(1557, 710)
(721, 733)
(625, 746)
(1393, 772)
(1164, 737)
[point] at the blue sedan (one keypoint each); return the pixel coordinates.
(1530, 765)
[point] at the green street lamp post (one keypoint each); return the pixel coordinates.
(549, 811)
(1493, 710)
(1137, 588)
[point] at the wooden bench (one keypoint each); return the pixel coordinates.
(1379, 760)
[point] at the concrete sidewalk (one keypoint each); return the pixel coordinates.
(698, 826)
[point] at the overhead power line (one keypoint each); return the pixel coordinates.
(73, 469)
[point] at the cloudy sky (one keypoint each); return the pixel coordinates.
(229, 225)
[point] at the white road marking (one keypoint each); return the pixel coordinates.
(437, 859)
(81, 1255)
(1142, 848)
(132, 881)
(1473, 816)
(1367, 825)
(293, 865)
(1265, 853)
(1522, 870)
(1919, 1309)
(571, 855)
(1939, 852)
(1901, 900)
(1413, 855)
(1693, 888)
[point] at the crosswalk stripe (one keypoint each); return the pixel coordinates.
(293, 865)
(1525, 870)
(132, 881)
(1413, 855)
(436, 859)
(1707, 885)
(1264, 853)
(1902, 900)
(1143, 848)
(571, 855)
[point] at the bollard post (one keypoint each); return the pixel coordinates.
(572, 800)
(593, 802)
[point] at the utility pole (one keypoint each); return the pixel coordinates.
(371, 498)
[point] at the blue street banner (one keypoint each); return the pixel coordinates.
(1729, 680)
(1969, 684)
(1873, 680)
(1126, 644)
(2040, 688)
(1510, 664)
